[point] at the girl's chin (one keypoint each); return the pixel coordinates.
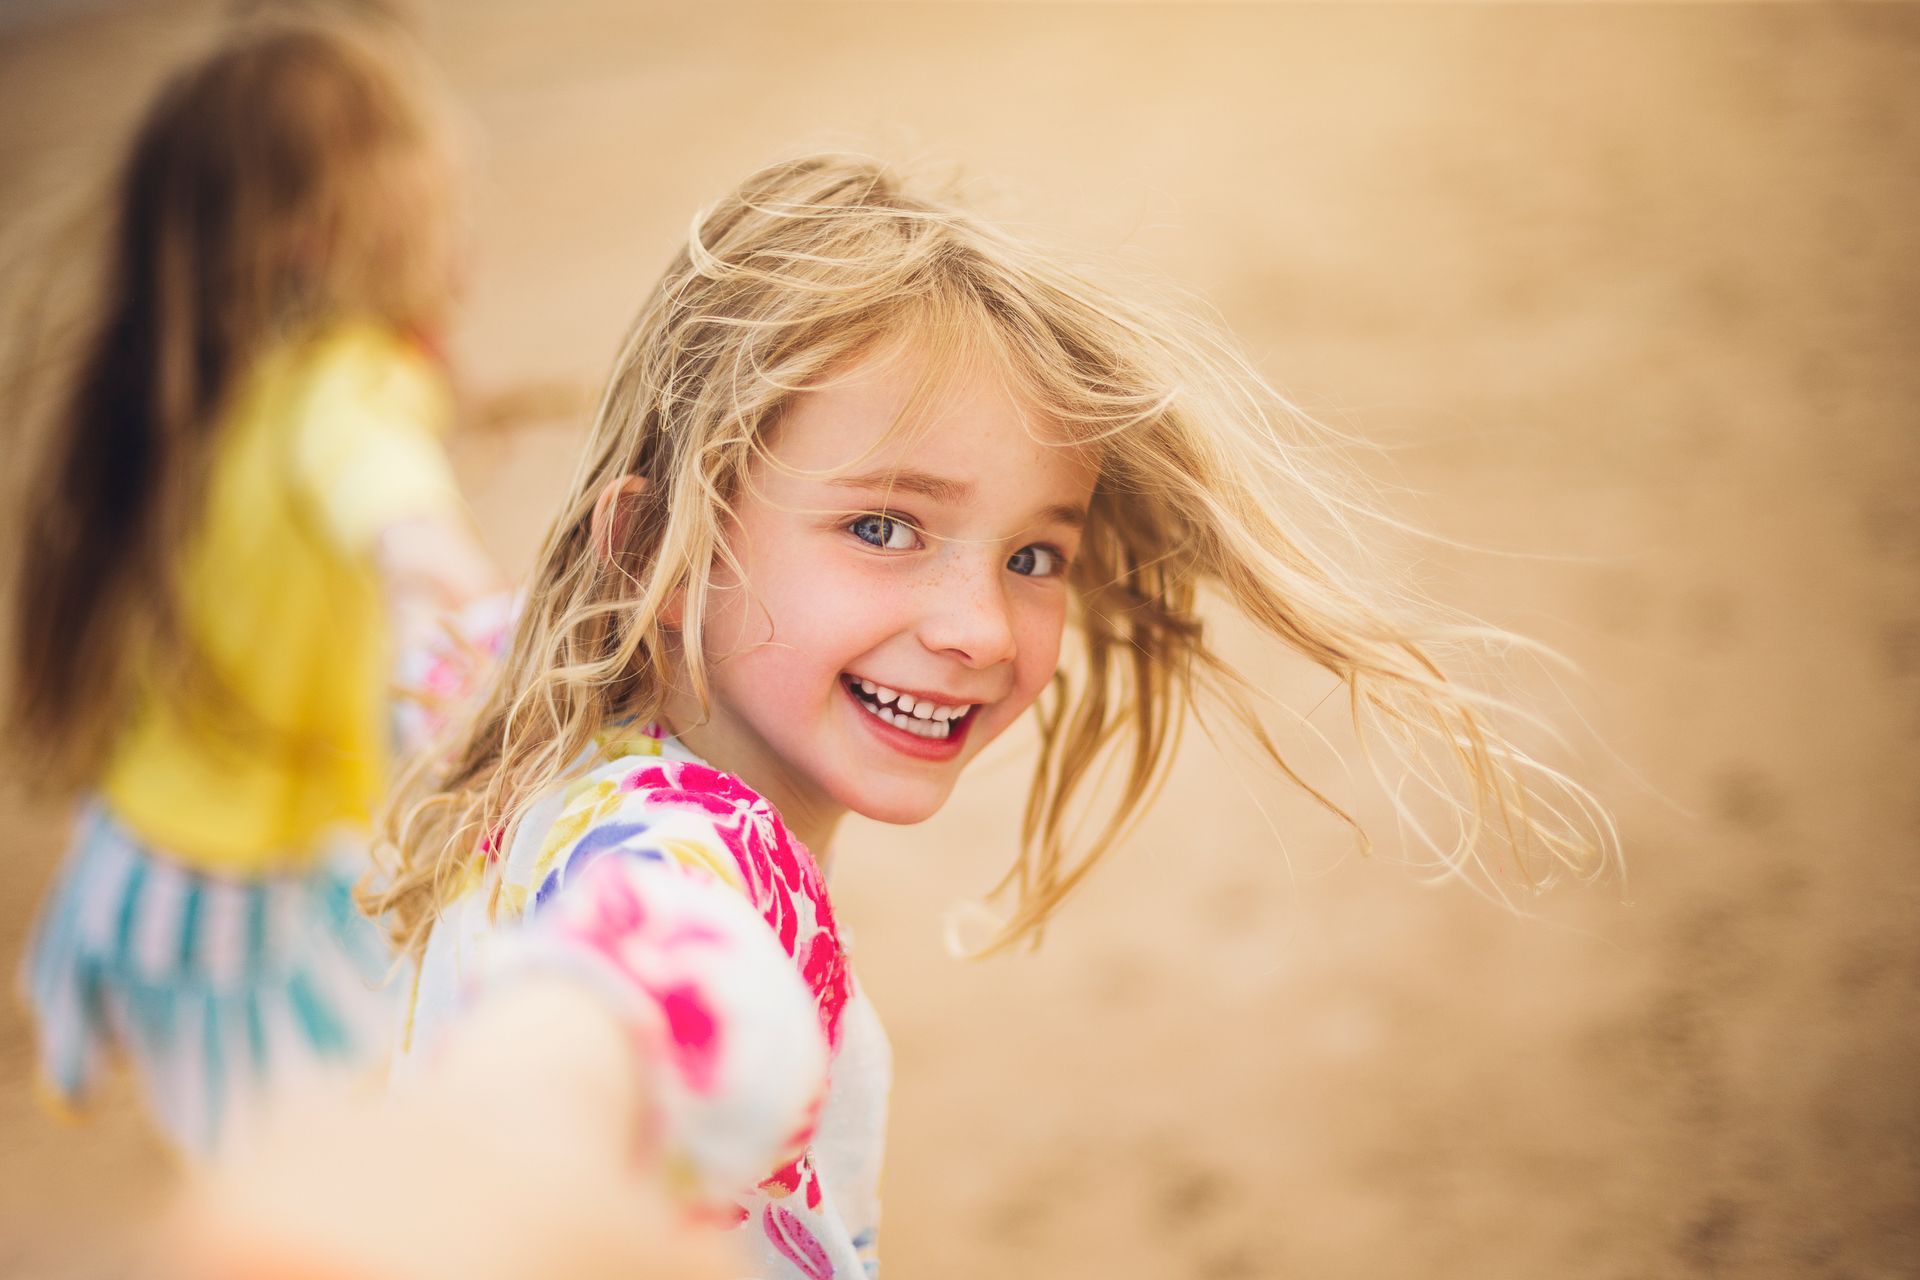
(900, 807)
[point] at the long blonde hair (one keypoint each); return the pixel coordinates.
(1204, 481)
(293, 176)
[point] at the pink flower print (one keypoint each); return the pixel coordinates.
(785, 1180)
(616, 913)
(781, 877)
(695, 1033)
(446, 678)
(797, 1174)
(795, 1243)
(615, 923)
(753, 834)
(787, 862)
(825, 969)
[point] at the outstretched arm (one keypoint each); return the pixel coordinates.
(521, 1152)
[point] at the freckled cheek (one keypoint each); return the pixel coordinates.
(1037, 632)
(822, 616)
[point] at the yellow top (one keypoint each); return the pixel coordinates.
(328, 443)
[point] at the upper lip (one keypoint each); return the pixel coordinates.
(922, 695)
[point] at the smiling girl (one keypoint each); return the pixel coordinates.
(864, 465)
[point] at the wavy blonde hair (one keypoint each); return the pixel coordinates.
(1204, 481)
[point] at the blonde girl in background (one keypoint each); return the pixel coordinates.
(872, 482)
(245, 491)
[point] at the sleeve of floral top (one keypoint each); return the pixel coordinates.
(434, 673)
(678, 894)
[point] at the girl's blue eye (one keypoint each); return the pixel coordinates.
(1035, 562)
(884, 532)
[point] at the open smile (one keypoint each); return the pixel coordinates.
(925, 721)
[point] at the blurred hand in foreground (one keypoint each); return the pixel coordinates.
(484, 1168)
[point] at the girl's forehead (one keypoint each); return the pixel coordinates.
(898, 410)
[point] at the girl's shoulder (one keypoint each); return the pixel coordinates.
(363, 362)
(354, 416)
(676, 891)
(639, 791)
(646, 800)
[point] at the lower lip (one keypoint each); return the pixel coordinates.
(912, 744)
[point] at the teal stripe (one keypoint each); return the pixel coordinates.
(360, 936)
(190, 930)
(322, 1029)
(256, 932)
(347, 925)
(256, 1032)
(340, 901)
(129, 912)
(152, 1008)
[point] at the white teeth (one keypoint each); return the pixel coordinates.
(920, 716)
(922, 728)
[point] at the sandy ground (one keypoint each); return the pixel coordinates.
(1630, 295)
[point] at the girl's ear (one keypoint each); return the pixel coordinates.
(613, 515)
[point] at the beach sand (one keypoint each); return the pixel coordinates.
(1630, 298)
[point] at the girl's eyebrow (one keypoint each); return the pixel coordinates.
(954, 492)
(1063, 513)
(925, 483)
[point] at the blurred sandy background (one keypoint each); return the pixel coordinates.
(1631, 294)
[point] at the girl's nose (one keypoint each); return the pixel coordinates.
(967, 615)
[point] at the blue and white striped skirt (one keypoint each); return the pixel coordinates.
(218, 991)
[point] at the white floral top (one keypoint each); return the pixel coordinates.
(677, 892)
